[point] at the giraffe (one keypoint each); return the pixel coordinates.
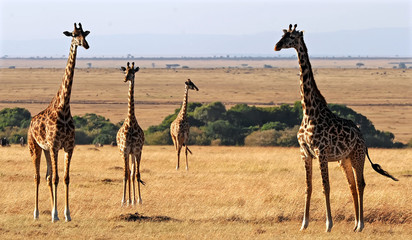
(179, 129)
(53, 129)
(130, 140)
(327, 137)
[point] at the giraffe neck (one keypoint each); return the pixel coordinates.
(62, 99)
(183, 110)
(130, 114)
(311, 97)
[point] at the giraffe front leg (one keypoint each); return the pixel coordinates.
(126, 176)
(133, 179)
(308, 193)
(55, 181)
(35, 152)
(67, 158)
(326, 191)
(179, 148)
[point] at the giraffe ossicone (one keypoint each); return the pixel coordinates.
(326, 137)
(53, 129)
(179, 128)
(130, 140)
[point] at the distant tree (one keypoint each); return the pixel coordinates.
(359, 64)
(402, 65)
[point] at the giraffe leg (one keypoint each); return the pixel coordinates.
(67, 159)
(55, 180)
(126, 177)
(133, 178)
(138, 158)
(346, 167)
(187, 164)
(179, 147)
(358, 161)
(326, 191)
(35, 152)
(49, 174)
(308, 168)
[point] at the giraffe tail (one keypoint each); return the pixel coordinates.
(141, 181)
(188, 149)
(378, 168)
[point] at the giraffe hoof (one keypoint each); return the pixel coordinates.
(55, 219)
(68, 218)
(140, 201)
(36, 214)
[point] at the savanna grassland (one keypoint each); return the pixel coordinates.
(381, 94)
(228, 193)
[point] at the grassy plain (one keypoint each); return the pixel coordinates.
(381, 94)
(228, 193)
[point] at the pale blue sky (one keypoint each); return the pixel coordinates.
(26, 20)
(45, 19)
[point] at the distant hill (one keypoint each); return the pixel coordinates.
(385, 42)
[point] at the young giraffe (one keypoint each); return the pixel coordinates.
(179, 129)
(130, 140)
(53, 129)
(327, 137)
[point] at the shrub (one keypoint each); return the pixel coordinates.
(159, 138)
(14, 117)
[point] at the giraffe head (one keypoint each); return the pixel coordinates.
(191, 85)
(129, 72)
(290, 38)
(79, 36)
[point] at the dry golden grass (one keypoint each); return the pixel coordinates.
(229, 193)
(383, 95)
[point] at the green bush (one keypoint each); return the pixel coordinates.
(159, 138)
(273, 125)
(210, 112)
(14, 117)
(272, 137)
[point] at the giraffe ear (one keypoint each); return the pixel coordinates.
(137, 69)
(301, 33)
(123, 68)
(285, 31)
(86, 33)
(69, 34)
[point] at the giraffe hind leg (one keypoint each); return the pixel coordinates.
(67, 159)
(49, 174)
(55, 180)
(358, 161)
(346, 167)
(138, 178)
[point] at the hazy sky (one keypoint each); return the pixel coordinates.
(46, 19)
(41, 19)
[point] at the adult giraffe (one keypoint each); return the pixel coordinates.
(327, 137)
(130, 140)
(179, 128)
(53, 129)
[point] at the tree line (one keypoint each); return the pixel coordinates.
(211, 124)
